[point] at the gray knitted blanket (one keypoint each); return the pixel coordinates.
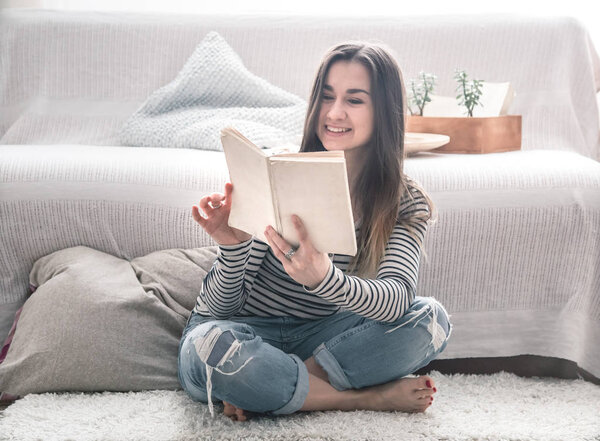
(212, 91)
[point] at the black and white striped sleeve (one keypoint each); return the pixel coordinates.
(387, 297)
(225, 287)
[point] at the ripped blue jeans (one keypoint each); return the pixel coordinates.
(256, 363)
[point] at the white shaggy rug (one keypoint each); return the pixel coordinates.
(499, 407)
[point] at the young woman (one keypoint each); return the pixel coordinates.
(278, 329)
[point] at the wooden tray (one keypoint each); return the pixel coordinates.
(471, 134)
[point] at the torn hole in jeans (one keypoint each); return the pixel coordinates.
(215, 349)
(438, 335)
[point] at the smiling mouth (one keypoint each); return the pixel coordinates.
(337, 129)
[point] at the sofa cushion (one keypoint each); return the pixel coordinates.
(214, 90)
(6, 397)
(97, 322)
(515, 230)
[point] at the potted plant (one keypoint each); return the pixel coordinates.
(468, 134)
(420, 92)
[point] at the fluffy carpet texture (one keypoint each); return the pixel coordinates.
(502, 406)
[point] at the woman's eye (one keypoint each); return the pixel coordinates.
(355, 101)
(326, 97)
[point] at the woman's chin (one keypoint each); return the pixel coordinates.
(332, 144)
(335, 146)
(341, 147)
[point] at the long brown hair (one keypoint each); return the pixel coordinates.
(381, 184)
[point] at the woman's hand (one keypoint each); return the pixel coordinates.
(216, 208)
(307, 265)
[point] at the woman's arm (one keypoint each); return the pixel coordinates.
(390, 294)
(226, 286)
(385, 298)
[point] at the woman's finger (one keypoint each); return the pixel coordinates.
(228, 191)
(299, 225)
(276, 250)
(197, 216)
(279, 241)
(216, 200)
(302, 233)
(205, 206)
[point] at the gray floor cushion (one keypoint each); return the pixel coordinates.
(96, 322)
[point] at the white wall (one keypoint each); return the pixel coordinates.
(580, 9)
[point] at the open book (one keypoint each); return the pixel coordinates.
(267, 190)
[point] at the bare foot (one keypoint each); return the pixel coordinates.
(237, 414)
(405, 394)
(234, 413)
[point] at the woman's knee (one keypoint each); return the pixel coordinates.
(212, 344)
(234, 364)
(429, 315)
(438, 312)
(378, 352)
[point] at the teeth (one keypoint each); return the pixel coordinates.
(337, 130)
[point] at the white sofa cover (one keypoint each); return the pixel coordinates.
(514, 255)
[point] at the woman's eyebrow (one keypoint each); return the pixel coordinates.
(330, 89)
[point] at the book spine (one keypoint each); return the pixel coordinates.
(274, 199)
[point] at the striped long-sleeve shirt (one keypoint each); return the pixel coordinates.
(247, 279)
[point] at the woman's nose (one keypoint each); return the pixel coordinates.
(336, 111)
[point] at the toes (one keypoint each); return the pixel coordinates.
(427, 385)
(425, 395)
(241, 414)
(427, 382)
(234, 413)
(427, 399)
(228, 410)
(424, 406)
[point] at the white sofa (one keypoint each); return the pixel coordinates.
(514, 255)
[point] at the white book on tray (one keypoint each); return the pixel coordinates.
(496, 99)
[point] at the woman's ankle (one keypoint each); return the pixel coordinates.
(315, 369)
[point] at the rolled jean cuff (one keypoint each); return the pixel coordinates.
(301, 392)
(337, 376)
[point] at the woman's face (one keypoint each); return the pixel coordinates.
(346, 116)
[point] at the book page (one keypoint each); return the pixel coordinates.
(306, 156)
(251, 201)
(313, 158)
(318, 193)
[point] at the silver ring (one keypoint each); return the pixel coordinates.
(217, 205)
(290, 253)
